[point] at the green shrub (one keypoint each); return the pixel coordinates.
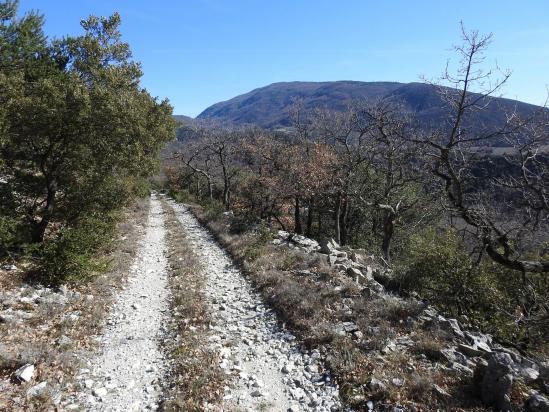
(213, 209)
(71, 255)
(181, 195)
(8, 233)
(440, 269)
(240, 224)
(139, 187)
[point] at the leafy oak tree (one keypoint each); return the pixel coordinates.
(78, 133)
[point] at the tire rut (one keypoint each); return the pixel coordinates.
(125, 375)
(268, 371)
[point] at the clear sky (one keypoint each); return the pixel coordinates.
(199, 52)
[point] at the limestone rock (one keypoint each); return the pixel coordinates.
(328, 246)
(376, 385)
(53, 299)
(497, 381)
(287, 368)
(25, 373)
(452, 325)
(537, 403)
(480, 341)
(345, 327)
(441, 393)
(544, 370)
(375, 287)
(354, 273)
(37, 390)
(470, 350)
(99, 392)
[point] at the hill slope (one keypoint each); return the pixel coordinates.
(268, 106)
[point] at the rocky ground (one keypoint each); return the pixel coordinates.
(502, 375)
(126, 374)
(126, 368)
(44, 330)
(387, 352)
(267, 368)
(79, 350)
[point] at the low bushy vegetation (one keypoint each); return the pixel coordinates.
(71, 254)
(310, 298)
(440, 269)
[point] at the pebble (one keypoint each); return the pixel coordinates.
(99, 392)
(123, 374)
(25, 373)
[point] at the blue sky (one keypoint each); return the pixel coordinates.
(199, 52)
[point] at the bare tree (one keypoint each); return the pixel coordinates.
(196, 159)
(222, 144)
(346, 134)
(501, 206)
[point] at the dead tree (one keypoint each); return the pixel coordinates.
(502, 207)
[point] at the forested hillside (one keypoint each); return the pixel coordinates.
(270, 107)
(451, 221)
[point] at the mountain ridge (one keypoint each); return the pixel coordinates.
(268, 106)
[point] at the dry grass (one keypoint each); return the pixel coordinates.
(38, 340)
(428, 345)
(195, 378)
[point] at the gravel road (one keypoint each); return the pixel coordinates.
(269, 372)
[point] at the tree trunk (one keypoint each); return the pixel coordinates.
(319, 220)
(210, 188)
(309, 219)
(388, 230)
(39, 228)
(297, 218)
(343, 223)
(226, 195)
(226, 184)
(337, 214)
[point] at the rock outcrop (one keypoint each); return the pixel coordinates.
(468, 352)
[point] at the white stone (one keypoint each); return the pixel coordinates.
(36, 390)
(25, 373)
(99, 392)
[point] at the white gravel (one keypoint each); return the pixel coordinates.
(268, 370)
(125, 376)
